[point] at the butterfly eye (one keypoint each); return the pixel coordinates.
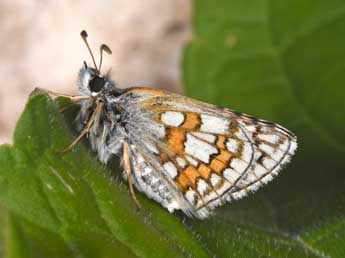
(96, 84)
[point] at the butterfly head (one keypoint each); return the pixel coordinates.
(91, 81)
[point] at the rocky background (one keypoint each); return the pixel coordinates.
(40, 46)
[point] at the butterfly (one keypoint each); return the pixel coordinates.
(185, 154)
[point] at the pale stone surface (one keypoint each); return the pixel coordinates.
(41, 47)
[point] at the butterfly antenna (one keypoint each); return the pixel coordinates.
(84, 36)
(106, 49)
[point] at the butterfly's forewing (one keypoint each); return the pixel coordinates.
(202, 154)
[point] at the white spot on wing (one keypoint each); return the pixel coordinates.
(267, 148)
(251, 177)
(268, 163)
(285, 145)
(232, 145)
(181, 162)
(199, 149)
(224, 187)
(215, 179)
(190, 195)
(271, 138)
(251, 128)
(231, 175)
(246, 180)
(172, 118)
(277, 155)
(266, 130)
(240, 135)
(192, 161)
(171, 169)
(205, 136)
(202, 186)
(214, 124)
(239, 165)
(259, 170)
(211, 196)
(247, 152)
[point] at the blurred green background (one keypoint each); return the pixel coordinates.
(278, 60)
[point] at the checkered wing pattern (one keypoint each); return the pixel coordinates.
(201, 156)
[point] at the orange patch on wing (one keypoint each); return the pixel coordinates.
(183, 182)
(144, 90)
(192, 121)
(176, 139)
(221, 142)
(217, 166)
(220, 162)
(204, 171)
(192, 174)
(224, 156)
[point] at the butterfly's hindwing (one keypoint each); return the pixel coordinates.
(203, 154)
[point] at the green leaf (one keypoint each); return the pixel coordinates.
(28, 240)
(70, 205)
(282, 61)
(3, 230)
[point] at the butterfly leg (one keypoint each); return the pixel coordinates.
(127, 165)
(74, 98)
(86, 128)
(63, 109)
